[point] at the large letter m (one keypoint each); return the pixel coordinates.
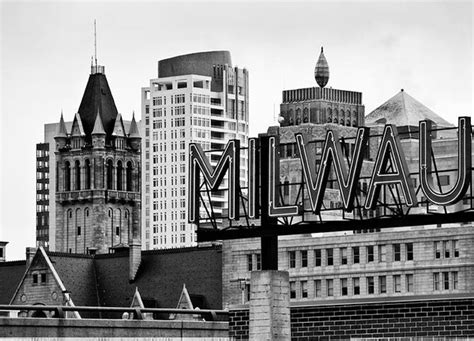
(213, 176)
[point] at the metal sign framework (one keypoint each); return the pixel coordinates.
(391, 208)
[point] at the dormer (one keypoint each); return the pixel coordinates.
(118, 133)
(77, 133)
(98, 133)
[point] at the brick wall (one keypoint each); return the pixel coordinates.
(435, 318)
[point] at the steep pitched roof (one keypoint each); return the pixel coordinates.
(161, 276)
(97, 96)
(133, 132)
(11, 274)
(404, 110)
(77, 273)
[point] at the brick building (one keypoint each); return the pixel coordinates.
(97, 175)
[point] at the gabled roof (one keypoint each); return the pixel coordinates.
(133, 132)
(98, 127)
(119, 130)
(62, 131)
(97, 97)
(77, 128)
(137, 300)
(403, 110)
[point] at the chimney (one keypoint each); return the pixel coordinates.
(135, 258)
(3, 246)
(30, 253)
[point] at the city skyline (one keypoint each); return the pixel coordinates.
(373, 48)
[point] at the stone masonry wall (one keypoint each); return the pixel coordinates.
(415, 319)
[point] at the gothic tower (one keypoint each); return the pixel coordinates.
(98, 201)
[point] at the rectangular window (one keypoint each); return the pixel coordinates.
(436, 281)
(447, 249)
(292, 259)
(397, 283)
(454, 277)
(249, 262)
(370, 254)
(304, 289)
(396, 252)
(78, 230)
(455, 248)
(292, 289)
(329, 257)
(317, 288)
(409, 282)
(304, 259)
(330, 287)
(409, 248)
(344, 290)
(370, 285)
(437, 249)
(446, 280)
(259, 261)
(117, 230)
(43, 278)
(35, 278)
(382, 253)
(317, 257)
(343, 252)
(382, 284)
(355, 255)
(356, 286)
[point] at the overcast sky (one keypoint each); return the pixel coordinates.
(376, 48)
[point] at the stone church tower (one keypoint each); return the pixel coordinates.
(98, 203)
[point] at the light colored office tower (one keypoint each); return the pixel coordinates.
(199, 98)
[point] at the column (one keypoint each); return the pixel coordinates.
(269, 305)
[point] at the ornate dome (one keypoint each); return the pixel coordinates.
(321, 71)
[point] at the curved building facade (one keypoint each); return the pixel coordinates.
(199, 98)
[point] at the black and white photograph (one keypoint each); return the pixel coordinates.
(236, 170)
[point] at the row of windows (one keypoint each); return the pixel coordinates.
(198, 98)
(200, 110)
(40, 278)
(162, 228)
(446, 249)
(352, 286)
(326, 256)
(162, 240)
(254, 262)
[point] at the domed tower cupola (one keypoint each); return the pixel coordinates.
(321, 71)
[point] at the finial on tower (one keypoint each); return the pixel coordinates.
(321, 71)
(95, 67)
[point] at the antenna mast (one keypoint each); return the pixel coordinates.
(95, 43)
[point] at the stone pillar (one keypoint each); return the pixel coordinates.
(269, 305)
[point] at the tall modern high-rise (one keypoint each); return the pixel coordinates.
(197, 97)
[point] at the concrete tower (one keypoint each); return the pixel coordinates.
(98, 167)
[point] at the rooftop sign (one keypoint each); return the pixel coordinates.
(390, 193)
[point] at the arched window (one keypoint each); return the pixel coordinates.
(87, 174)
(67, 176)
(348, 123)
(291, 118)
(77, 171)
(129, 176)
(342, 121)
(305, 115)
(110, 178)
(119, 175)
(329, 115)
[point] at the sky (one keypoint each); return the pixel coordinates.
(376, 48)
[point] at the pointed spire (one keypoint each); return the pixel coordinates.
(321, 71)
(118, 127)
(98, 126)
(133, 131)
(62, 131)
